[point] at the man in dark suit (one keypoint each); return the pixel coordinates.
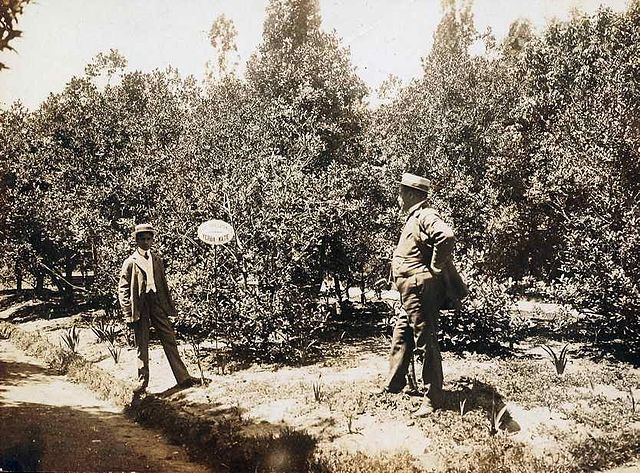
(427, 280)
(145, 300)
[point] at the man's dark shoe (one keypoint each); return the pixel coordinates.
(511, 426)
(139, 389)
(412, 392)
(384, 390)
(425, 410)
(193, 381)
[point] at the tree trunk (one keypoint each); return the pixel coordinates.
(18, 274)
(39, 282)
(68, 270)
(67, 289)
(363, 297)
(336, 286)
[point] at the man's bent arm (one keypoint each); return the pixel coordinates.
(124, 289)
(443, 243)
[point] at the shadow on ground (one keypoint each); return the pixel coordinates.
(30, 305)
(472, 394)
(40, 432)
(225, 439)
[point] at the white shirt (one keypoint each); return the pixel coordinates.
(146, 265)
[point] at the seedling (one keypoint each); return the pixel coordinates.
(462, 406)
(560, 362)
(197, 353)
(495, 418)
(318, 395)
(71, 339)
(98, 329)
(114, 351)
(360, 404)
(350, 416)
(5, 332)
(104, 332)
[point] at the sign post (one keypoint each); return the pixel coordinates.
(215, 233)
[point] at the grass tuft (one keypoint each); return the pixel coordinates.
(71, 339)
(560, 362)
(318, 394)
(114, 351)
(495, 417)
(463, 403)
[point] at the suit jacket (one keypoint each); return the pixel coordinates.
(426, 245)
(132, 287)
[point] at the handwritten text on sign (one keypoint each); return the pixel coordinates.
(215, 232)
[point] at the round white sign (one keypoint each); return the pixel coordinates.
(215, 232)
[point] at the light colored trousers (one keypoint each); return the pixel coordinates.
(416, 332)
(154, 314)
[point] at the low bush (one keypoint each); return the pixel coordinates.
(483, 323)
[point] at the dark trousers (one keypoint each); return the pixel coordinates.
(154, 314)
(416, 332)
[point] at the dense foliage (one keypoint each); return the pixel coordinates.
(10, 11)
(532, 145)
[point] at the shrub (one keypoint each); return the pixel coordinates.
(483, 323)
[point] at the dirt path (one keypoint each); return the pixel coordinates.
(50, 424)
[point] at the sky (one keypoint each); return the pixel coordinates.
(384, 36)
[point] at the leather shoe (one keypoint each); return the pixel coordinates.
(139, 389)
(511, 426)
(425, 410)
(193, 381)
(383, 391)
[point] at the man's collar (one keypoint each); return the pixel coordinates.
(416, 207)
(139, 253)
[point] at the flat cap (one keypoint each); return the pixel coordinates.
(416, 182)
(143, 228)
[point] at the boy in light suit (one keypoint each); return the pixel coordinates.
(145, 300)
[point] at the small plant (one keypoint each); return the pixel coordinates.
(114, 351)
(98, 328)
(560, 362)
(71, 339)
(633, 400)
(197, 351)
(350, 416)
(221, 360)
(351, 409)
(318, 395)
(60, 361)
(463, 403)
(105, 332)
(111, 334)
(360, 403)
(495, 417)
(5, 332)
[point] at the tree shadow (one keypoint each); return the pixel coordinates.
(615, 350)
(472, 394)
(45, 304)
(17, 373)
(222, 436)
(42, 435)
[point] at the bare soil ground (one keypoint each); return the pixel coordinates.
(50, 424)
(583, 420)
